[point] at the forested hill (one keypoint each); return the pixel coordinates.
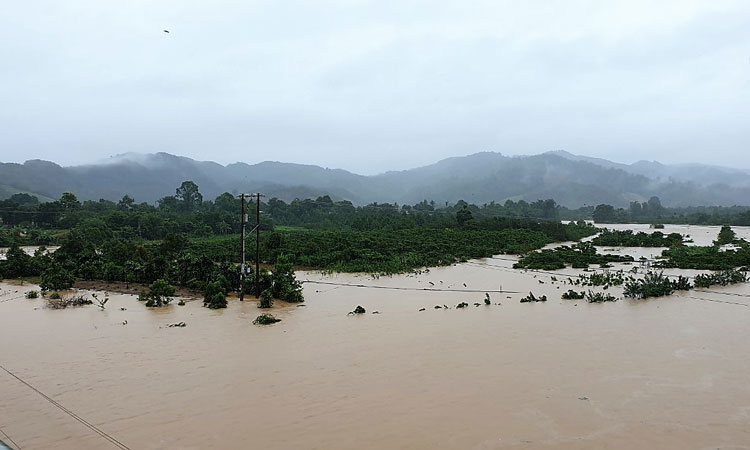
(483, 177)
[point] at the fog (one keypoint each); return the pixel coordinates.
(372, 86)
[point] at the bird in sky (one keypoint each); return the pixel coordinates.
(166, 31)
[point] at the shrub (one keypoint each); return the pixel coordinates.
(32, 294)
(653, 284)
(723, 278)
(573, 295)
(532, 298)
(266, 299)
(215, 295)
(285, 284)
(265, 319)
(599, 297)
(160, 294)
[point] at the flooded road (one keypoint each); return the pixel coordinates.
(667, 373)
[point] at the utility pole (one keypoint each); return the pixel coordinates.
(257, 245)
(243, 220)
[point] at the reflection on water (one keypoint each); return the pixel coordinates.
(666, 373)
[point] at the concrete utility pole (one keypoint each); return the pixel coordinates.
(257, 245)
(243, 270)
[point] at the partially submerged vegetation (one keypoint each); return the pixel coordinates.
(573, 295)
(723, 278)
(580, 256)
(265, 319)
(599, 297)
(654, 284)
(159, 294)
(627, 238)
(531, 298)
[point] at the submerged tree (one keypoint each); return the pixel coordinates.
(160, 294)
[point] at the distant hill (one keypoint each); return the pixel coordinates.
(571, 180)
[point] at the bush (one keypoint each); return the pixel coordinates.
(599, 297)
(653, 284)
(265, 319)
(160, 294)
(215, 295)
(532, 298)
(723, 278)
(266, 299)
(573, 295)
(285, 284)
(32, 294)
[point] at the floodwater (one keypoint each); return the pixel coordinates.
(669, 373)
(29, 249)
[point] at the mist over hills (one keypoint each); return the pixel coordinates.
(571, 180)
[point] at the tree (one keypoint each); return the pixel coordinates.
(464, 216)
(126, 203)
(69, 202)
(17, 264)
(655, 208)
(285, 284)
(604, 213)
(56, 278)
(726, 236)
(188, 196)
(215, 295)
(23, 198)
(160, 293)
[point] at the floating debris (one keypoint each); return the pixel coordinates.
(358, 310)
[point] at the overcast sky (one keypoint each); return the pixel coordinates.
(375, 85)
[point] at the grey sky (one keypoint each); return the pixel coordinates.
(375, 85)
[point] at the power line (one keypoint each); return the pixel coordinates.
(717, 301)
(10, 439)
(88, 425)
(401, 288)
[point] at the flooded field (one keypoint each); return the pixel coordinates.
(668, 373)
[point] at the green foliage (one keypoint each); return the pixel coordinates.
(723, 278)
(266, 299)
(160, 293)
(56, 278)
(32, 294)
(599, 297)
(285, 284)
(726, 236)
(579, 256)
(17, 264)
(215, 295)
(626, 238)
(531, 298)
(573, 295)
(653, 284)
(706, 258)
(265, 319)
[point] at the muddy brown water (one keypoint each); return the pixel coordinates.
(668, 373)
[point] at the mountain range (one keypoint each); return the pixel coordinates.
(571, 180)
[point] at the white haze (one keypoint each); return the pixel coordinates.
(375, 85)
